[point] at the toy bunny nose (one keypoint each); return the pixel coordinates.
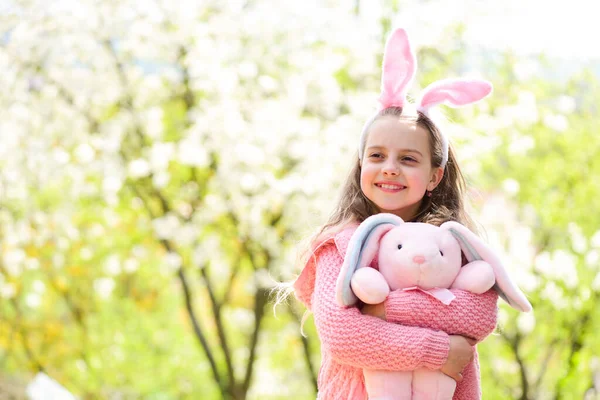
(419, 259)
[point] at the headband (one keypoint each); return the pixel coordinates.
(399, 66)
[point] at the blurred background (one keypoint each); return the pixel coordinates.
(161, 162)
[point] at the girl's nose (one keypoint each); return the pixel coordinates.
(390, 168)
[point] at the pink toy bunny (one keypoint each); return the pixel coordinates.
(418, 256)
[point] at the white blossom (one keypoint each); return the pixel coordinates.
(592, 259)
(526, 322)
(32, 264)
(112, 183)
(84, 153)
(566, 104)
(166, 227)
(7, 290)
(38, 286)
(595, 240)
(131, 265)
(13, 261)
(161, 179)
(559, 265)
(33, 300)
(104, 287)
(187, 234)
(578, 240)
(160, 155)
(139, 168)
(521, 145)
(112, 265)
(557, 122)
(510, 186)
(173, 261)
(192, 153)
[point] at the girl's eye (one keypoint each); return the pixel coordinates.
(409, 159)
(376, 155)
(399, 247)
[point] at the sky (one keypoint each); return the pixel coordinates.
(556, 28)
(565, 29)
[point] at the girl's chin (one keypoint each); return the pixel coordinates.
(404, 212)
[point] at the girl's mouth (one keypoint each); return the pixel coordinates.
(388, 187)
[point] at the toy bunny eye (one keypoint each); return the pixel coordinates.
(441, 253)
(399, 247)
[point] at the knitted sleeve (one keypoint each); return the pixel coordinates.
(471, 315)
(364, 341)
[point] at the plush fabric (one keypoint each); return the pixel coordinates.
(398, 70)
(351, 341)
(454, 92)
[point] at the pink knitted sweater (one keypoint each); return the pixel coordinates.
(418, 336)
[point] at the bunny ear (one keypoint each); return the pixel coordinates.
(475, 249)
(454, 92)
(399, 65)
(361, 250)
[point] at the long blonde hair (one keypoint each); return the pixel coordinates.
(445, 204)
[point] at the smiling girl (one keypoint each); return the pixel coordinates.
(404, 166)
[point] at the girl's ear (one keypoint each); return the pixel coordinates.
(436, 177)
(475, 249)
(362, 249)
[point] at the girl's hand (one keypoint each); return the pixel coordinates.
(375, 310)
(461, 353)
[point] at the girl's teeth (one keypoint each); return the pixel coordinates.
(390, 187)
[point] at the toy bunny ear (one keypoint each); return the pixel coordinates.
(454, 92)
(361, 250)
(399, 65)
(475, 249)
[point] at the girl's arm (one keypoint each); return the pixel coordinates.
(470, 315)
(363, 341)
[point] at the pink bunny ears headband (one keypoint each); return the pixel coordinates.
(399, 66)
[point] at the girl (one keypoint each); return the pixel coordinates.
(405, 167)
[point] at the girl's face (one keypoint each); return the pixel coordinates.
(396, 167)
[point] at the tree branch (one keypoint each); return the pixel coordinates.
(188, 302)
(187, 96)
(260, 300)
(514, 343)
(216, 309)
(196, 323)
(544, 364)
(578, 335)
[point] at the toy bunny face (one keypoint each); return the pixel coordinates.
(418, 254)
(423, 255)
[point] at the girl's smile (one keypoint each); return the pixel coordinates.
(390, 187)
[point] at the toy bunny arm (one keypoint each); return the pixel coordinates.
(369, 285)
(475, 277)
(363, 341)
(475, 249)
(471, 315)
